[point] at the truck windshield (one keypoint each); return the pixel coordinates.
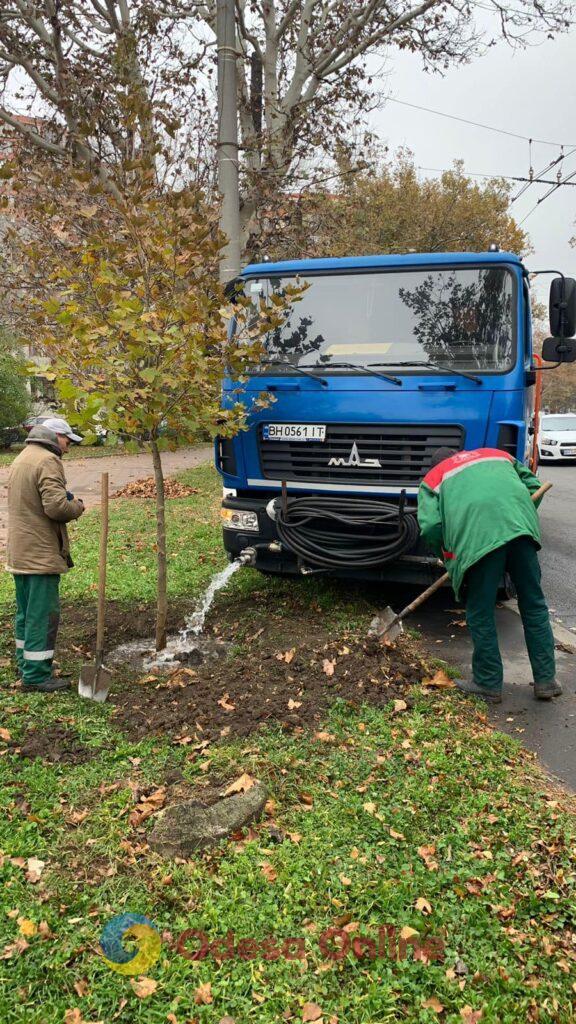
(462, 317)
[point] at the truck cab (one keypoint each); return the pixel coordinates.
(380, 361)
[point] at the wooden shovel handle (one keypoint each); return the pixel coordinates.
(541, 491)
(444, 579)
(102, 568)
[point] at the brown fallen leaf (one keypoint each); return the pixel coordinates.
(306, 798)
(399, 705)
(423, 905)
(294, 837)
(243, 783)
(35, 868)
(311, 1012)
(225, 703)
(324, 737)
(75, 817)
(148, 806)
(427, 854)
(408, 933)
(345, 879)
(292, 704)
(5, 735)
(328, 666)
(203, 994)
(287, 656)
(269, 872)
(75, 1017)
(433, 1004)
(143, 987)
(397, 835)
(226, 1020)
(369, 807)
(81, 987)
(470, 1016)
(439, 681)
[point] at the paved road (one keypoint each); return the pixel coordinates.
(83, 475)
(558, 556)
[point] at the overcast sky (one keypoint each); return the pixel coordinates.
(531, 92)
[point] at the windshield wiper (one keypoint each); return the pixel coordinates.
(434, 366)
(298, 369)
(364, 368)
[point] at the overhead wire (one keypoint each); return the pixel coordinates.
(478, 124)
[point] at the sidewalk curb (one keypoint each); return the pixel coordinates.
(565, 639)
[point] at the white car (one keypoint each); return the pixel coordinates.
(557, 437)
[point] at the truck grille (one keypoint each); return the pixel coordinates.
(403, 453)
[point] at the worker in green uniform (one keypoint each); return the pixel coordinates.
(38, 552)
(475, 510)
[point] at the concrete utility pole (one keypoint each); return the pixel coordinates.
(228, 137)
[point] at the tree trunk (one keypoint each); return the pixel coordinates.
(161, 592)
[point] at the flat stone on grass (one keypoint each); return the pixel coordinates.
(182, 829)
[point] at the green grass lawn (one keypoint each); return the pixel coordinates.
(100, 451)
(425, 820)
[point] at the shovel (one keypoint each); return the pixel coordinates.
(95, 679)
(388, 624)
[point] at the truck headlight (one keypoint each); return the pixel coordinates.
(549, 441)
(239, 519)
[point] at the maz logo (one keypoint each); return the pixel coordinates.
(354, 459)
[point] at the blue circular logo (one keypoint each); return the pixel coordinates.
(146, 937)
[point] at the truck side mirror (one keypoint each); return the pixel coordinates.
(559, 350)
(563, 308)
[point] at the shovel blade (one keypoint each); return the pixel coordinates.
(385, 626)
(94, 683)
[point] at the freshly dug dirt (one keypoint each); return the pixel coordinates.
(146, 488)
(288, 672)
(55, 744)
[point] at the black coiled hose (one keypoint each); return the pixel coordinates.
(345, 533)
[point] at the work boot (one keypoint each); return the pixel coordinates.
(468, 686)
(545, 691)
(49, 686)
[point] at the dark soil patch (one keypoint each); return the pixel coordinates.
(287, 672)
(54, 744)
(124, 621)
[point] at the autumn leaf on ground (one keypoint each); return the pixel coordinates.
(35, 868)
(328, 666)
(408, 933)
(399, 705)
(27, 927)
(287, 656)
(397, 835)
(81, 987)
(423, 906)
(427, 854)
(470, 1016)
(203, 994)
(75, 1017)
(440, 681)
(225, 703)
(324, 737)
(345, 880)
(292, 704)
(148, 806)
(433, 1004)
(270, 874)
(369, 807)
(311, 1012)
(143, 987)
(243, 783)
(306, 798)
(5, 735)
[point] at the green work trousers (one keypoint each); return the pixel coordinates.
(520, 558)
(37, 618)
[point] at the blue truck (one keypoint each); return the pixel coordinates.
(380, 361)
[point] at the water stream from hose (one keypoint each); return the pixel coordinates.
(187, 642)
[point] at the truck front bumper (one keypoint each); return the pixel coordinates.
(417, 567)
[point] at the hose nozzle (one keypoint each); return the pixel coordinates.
(247, 556)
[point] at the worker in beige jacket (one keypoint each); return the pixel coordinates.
(39, 506)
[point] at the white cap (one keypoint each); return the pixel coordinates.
(60, 426)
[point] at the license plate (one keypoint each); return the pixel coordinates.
(569, 451)
(294, 432)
